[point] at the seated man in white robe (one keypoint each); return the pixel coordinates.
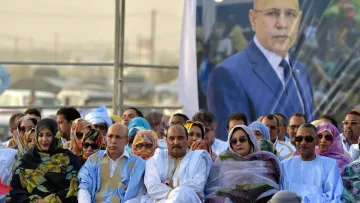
(177, 174)
(112, 175)
(316, 178)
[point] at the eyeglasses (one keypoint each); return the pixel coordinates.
(25, 128)
(101, 127)
(294, 127)
(308, 139)
(234, 141)
(327, 137)
(147, 146)
(92, 145)
(351, 122)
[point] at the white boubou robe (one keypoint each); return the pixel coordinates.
(189, 175)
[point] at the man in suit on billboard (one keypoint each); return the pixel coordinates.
(263, 78)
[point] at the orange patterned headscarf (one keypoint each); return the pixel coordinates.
(145, 137)
(79, 128)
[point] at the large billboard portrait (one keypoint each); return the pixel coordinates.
(278, 56)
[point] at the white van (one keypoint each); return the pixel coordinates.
(18, 98)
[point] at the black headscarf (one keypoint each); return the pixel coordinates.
(42, 174)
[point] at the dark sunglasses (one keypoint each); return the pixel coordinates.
(100, 127)
(93, 145)
(147, 146)
(307, 139)
(327, 137)
(241, 140)
(25, 128)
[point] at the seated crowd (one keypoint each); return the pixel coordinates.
(151, 158)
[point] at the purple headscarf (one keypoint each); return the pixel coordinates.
(336, 150)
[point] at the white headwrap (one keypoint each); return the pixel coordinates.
(99, 115)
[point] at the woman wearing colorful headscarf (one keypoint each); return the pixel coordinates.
(139, 122)
(260, 130)
(351, 180)
(330, 144)
(145, 144)
(135, 125)
(267, 146)
(85, 139)
(25, 124)
(29, 139)
(196, 131)
(243, 173)
(47, 172)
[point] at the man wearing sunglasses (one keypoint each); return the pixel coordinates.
(177, 174)
(316, 178)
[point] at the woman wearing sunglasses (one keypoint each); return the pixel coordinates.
(25, 124)
(85, 139)
(330, 144)
(243, 173)
(145, 144)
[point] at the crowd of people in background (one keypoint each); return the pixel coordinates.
(151, 159)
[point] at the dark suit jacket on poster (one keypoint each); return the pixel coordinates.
(246, 82)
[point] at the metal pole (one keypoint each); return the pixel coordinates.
(116, 57)
(122, 56)
(130, 65)
(153, 35)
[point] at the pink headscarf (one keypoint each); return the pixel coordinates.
(336, 150)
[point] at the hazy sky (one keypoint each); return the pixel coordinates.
(87, 21)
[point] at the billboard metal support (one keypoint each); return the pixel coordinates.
(118, 99)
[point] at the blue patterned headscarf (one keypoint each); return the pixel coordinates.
(259, 126)
(139, 122)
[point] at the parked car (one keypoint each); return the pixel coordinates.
(85, 97)
(138, 87)
(4, 128)
(166, 93)
(19, 98)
